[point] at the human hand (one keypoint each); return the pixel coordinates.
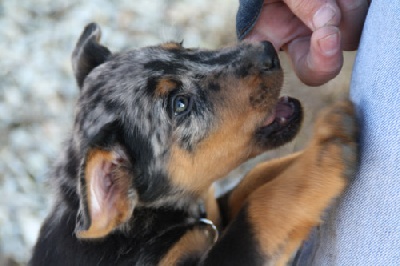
(314, 33)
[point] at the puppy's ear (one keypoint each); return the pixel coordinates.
(107, 198)
(88, 53)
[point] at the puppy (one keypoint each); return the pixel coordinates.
(155, 127)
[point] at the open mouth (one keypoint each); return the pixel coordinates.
(283, 124)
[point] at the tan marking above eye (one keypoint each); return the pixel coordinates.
(165, 86)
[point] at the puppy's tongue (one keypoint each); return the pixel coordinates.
(270, 118)
(282, 112)
(284, 109)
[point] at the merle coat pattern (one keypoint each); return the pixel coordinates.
(154, 128)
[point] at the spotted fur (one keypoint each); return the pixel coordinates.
(154, 128)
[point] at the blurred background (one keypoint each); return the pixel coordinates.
(38, 92)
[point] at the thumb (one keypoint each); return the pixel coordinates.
(318, 59)
(315, 13)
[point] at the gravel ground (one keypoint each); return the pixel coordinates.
(38, 92)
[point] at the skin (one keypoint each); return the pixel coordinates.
(314, 33)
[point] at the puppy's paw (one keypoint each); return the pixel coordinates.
(336, 138)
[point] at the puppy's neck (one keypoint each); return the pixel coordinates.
(192, 205)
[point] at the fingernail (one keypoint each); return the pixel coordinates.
(324, 16)
(330, 44)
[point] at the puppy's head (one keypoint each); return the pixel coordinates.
(158, 125)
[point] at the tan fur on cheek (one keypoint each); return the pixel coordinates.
(213, 158)
(229, 144)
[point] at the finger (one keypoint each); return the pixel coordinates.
(353, 16)
(277, 24)
(315, 13)
(318, 59)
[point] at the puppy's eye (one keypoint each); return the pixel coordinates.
(180, 105)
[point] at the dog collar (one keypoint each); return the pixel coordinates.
(209, 223)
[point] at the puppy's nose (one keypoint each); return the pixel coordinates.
(269, 59)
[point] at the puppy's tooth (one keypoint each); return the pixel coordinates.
(285, 99)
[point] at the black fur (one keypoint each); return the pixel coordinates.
(117, 107)
(152, 232)
(239, 247)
